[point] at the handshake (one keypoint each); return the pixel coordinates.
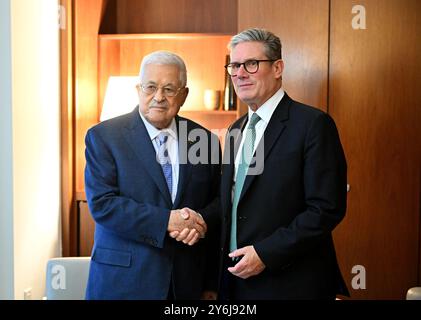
(186, 225)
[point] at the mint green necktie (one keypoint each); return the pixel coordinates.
(246, 156)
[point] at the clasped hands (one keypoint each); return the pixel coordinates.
(186, 225)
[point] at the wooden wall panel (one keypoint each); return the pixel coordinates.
(302, 26)
(375, 101)
(68, 220)
(182, 16)
(87, 21)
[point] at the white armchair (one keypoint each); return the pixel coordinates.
(414, 293)
(66, 278)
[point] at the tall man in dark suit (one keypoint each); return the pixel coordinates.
(280, 206)
(145, 194)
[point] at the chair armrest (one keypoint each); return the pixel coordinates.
(414, 293)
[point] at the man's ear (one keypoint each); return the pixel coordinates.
(139, 90)
(184, 94)
(279, 68)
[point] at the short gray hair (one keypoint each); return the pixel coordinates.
(272, 43)
(165, 58)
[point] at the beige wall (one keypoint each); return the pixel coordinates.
(36, 147)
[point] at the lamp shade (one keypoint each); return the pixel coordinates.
(120, 96)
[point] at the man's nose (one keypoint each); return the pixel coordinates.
(241, 72)
(159, 95)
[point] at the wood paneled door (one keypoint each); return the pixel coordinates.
(375, 101)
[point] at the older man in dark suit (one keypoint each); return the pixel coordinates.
(144, 189)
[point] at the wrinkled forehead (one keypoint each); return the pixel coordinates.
(247, 50)
(160, 74)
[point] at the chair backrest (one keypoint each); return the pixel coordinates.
(67, 278)
(414, 293)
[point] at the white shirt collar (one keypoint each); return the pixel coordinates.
(266, 110)
(154, 132)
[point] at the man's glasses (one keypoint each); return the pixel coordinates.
(251, 66)
(167, 91)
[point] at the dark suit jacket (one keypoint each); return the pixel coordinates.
(289, 211)
(133, 257)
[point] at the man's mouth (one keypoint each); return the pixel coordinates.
(245, 85)
(158, 107)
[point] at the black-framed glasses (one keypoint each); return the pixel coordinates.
(251, 66)
(168, 91)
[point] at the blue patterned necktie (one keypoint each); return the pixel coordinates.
(164, 159)
(246, 156)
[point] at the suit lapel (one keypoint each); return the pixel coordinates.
(273, 130)
(184, 165)
(138, 138)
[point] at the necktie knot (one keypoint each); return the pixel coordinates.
(253, 121)
(162, 155)
(250, 138)
(162, 138)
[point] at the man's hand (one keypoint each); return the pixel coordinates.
(249, 265)
(186, 225)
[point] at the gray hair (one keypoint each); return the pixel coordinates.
(272, 44)
(165, 58)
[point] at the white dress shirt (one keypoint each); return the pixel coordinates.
(265, 113)
(172, 147)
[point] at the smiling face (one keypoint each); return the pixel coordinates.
(255, 89)
(157, 108)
